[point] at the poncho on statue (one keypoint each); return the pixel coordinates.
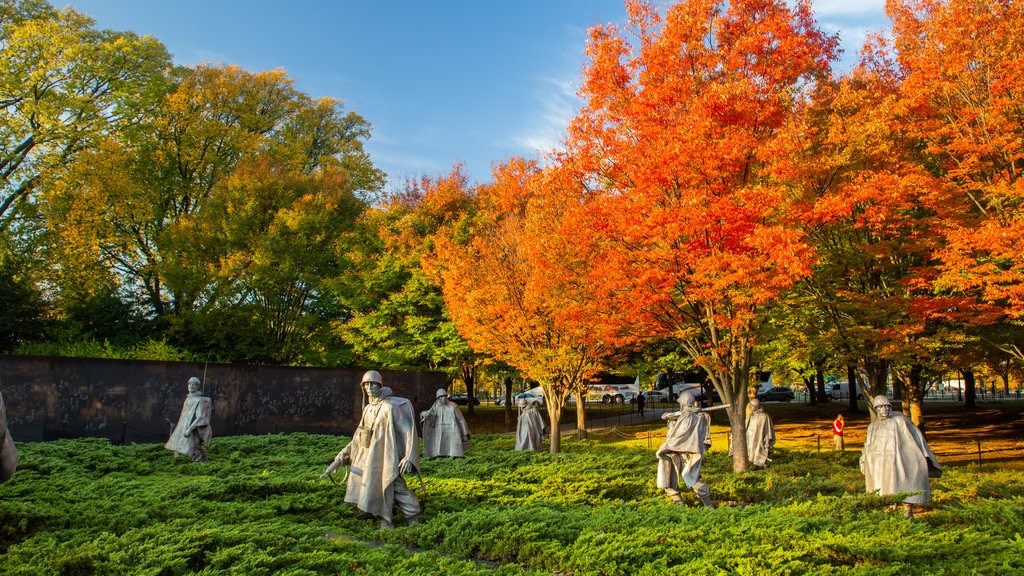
(681, 454)
(192, 434)
(896, 455)
(8, 452)
(384, 441)
(444, 429)
(530, 429)
(760, 435)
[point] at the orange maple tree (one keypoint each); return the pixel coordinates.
(515, 285)
(961, 79)
(683, 145)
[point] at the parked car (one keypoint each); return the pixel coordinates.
(777, 394)
(651, 396)
(531, 398)
(463, 399)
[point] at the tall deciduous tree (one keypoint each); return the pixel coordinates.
(398, 316)
(685, 135)
(65, 87)
(517, 289)
(961, 82)
(235, 193)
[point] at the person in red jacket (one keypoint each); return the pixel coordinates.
(837, 433)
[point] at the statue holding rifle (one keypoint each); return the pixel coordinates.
(384, 447)
(192, 435)
(445, 432)
(681, 455)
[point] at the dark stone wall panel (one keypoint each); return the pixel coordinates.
(130, 401)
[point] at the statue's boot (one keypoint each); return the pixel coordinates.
(704, 493)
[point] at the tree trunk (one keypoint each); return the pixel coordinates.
(914, 397)
(820, 373)
(970, 387)
(853, 385)
(555, 401)
(554, 425)
(469, 377)
(809, 384)
(738, 436)
(581, 416)
(507, 384)
(878, 376)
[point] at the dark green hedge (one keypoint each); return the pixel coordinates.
(259, 507)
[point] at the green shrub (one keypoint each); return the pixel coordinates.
(260, 507)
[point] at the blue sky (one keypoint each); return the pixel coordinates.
(471, 81)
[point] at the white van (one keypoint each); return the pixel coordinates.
(840, 391)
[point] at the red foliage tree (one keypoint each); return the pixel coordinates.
(515, 285)
(684, 144)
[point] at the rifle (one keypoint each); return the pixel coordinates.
(329, 473)
(713, 408)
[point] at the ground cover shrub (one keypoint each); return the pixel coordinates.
(260, 507)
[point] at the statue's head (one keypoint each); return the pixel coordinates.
(755, 405)
(687, 400)
(442, 393)
(521, 402)
(372, 384)
(194, 384)
(883, 408)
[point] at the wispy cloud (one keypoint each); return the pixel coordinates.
(556, 104)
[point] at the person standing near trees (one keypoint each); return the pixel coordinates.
(640, 400)
(837, 433)
(681, 455)
(445, 432)
(896, 458)
(191, 436)
(8, 451)
(384, 447)
(530, 429)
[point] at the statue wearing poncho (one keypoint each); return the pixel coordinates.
(192, 435)
(8, 451)
(681, 455)
(445, 432)
(896, 456)
(384, 447)
(530, 428)
(760, 435)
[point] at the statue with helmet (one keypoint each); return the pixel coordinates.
(896, 458)
(8, 451)
(445, 432)
(760, 435)
(383, 448)
(192, 434)
(530, 428)
(681, 455)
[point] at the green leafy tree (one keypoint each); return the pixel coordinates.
(238, 194)
(65, 87)
(398, 315)
(23, 313)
